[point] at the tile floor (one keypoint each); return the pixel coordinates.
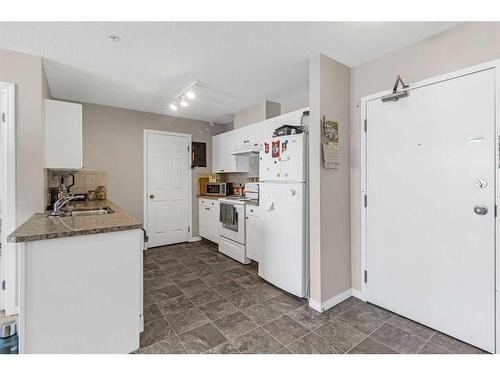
(197, 300)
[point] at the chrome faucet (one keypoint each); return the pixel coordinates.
(60, 203)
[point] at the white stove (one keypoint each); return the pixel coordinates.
(232, 224)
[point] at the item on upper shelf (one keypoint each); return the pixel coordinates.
(101, 193)
(304, 120)
(287, 130)
(91, 195)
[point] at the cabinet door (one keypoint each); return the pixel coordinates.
(241, 137)
(256, 135)
(217, 153)
(63, 135)
(254, 237)
(222, 159)
(204, 220)
(214, 224)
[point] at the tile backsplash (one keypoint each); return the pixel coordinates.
(84, 180)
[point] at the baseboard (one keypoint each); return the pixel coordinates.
(195, 239)
(315, 305)
(356, 293)
(329, 303)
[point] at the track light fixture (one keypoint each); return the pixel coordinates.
(182, 98)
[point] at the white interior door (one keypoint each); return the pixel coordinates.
(430, 161)
(168, 190)
(3, 234)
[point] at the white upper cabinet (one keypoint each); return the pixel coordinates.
(63, 135)
(249, 136)
(222, 159)
(231, 150)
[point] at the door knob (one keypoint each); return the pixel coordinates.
(151, 196)
(480, 210)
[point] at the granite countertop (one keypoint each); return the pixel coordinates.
(40, 227)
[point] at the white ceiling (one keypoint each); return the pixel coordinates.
(238, 64)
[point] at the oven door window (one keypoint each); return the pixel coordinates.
(233, 227)
(228, 217)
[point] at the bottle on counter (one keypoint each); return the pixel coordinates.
(101, 193)
(91, 195)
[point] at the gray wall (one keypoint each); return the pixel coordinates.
(465, 45)
(113, 142)
(330, 249)
(26, 72)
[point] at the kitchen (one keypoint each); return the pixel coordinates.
(228, 213)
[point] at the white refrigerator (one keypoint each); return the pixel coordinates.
(282, 201)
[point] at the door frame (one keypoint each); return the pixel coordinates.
(495, 64)
(145, 178)
(8, 179)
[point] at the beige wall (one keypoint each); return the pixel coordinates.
(330, 252)
(26, 72)
(465, 45)
(256, 113)
(113, 142)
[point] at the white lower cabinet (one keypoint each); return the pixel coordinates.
(254, 232)
(209, 219)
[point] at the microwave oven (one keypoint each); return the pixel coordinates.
(215, 188)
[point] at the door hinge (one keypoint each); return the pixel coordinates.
(3, 284)
(366, 276)
(366, 124)
(495, 210)
(3, 116)
(188, 148)
(366, 201)
(189, 229)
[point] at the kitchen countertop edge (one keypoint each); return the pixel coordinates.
(39, 227)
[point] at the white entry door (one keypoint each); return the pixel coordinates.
(430, 177)
(168, 187)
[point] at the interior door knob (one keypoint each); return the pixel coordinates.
(480, 210)
(151, 196)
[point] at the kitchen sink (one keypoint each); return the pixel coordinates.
(86, 211)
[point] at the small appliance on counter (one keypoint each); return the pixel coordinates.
(216, 188)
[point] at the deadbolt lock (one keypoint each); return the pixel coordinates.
(480, 210)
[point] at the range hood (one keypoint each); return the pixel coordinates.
(249, 150)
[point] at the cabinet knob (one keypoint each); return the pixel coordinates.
(151, 196)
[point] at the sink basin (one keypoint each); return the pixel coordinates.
(86, 211)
